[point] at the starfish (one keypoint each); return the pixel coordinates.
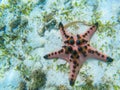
(76, 50)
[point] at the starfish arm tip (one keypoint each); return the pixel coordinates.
(96, 24)
(46, 56)
(109, 59)
(60, 24)
(72, 83)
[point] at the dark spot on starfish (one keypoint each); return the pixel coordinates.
(72, 75)
(71, 41)
(103, 56)
(85, 34)
(78, 42)
(55, 52)
(74, 66)
(88, 31)
(80, 49)
(66, 41)
(46, 56)
(69, 48)
(109, 59)
(71, 56)
(75, 62)
(73, 71)
(84, 41)
(61, 50)
(78, 36)
(63, 31)
(74, 52)
(98, 53)
(70, 60)
(88, 44)
(92, 51)
(85, 47)
(91, 28)
(89, 51)
(84, 54)
(64, 46)
(52, 54)
(71, 37)
(72, 82)
(66, 52)
(66, 36)
(77, 56)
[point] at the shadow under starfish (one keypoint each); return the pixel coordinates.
(77, 50)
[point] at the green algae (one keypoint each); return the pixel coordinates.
(10, 38)
(24, 8)
(24, 70)
(18, 7)
(8, 43)
(62, 87)
(48, 22)
(46, 17)
(34, 79)
(24, 23)
(2, 27)
(15, 23)
(48, 26)
(107, 84)
(89, 86)
(62, 67)
(38, 79)
(116, 87)
(57, 87)
(22, 86)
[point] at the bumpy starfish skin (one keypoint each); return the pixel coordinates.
(76, 50)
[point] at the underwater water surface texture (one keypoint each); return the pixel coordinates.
(29, 29)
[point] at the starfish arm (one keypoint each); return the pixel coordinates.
(65, 34)
(58, 54)
(89, 33)
(75, 66)
(93, 53)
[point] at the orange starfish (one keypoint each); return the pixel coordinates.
(76, 50)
